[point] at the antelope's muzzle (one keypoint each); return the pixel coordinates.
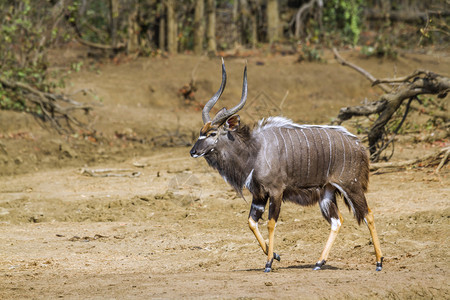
(193, 152)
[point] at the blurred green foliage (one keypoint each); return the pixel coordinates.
(24, 40)
(343, 18)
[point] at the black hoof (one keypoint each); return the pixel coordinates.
(276, 256)
(379, 265)
(319, 265)
(268, 266)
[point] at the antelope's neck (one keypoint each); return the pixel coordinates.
(235, 160)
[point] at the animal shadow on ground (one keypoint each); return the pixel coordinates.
(309, 266)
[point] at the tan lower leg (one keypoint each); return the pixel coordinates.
(254, 228)
(373, 232)
(335, 226)
(271, 228)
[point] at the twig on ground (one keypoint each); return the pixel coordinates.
(110, 173)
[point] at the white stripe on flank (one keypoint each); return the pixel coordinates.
(351, 149)
(317, 153)
(329, 162)
(285, 146)
(265, 148)
(278, 143)
(309, 154)
(343, 151)
(323, 147)
(293, 152)
(300, 144)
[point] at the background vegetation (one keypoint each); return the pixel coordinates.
(29, 29)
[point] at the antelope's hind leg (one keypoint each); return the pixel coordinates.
(256, 211)
(331, 213)
(376, 242)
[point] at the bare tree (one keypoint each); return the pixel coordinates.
(171, 27)
(133, 28)
(211, 29)
(272, 21)
(248, 21)
(162, 26)
(254, 5)
(199, 26)
(114, 15)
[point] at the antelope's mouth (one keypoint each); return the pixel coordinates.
(195, 155)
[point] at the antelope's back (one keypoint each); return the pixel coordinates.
(310, 155)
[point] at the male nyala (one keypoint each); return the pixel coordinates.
(282, 161)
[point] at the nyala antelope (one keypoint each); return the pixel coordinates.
(282, 161)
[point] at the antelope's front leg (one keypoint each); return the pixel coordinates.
(256, 211)
(274, 212)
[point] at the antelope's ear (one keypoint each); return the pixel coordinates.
(232, 123)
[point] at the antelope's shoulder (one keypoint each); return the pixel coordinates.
(281, 122)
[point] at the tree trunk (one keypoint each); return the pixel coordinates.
(199, 26)
(272, 21)
(254, 24)
(243, 20)
(133, 29)
(114, 16)
(211, 30)
(171, 27)
(234, 26)
(162, 27)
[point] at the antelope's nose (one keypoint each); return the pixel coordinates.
(193, 152)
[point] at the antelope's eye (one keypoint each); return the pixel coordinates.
(212, 134)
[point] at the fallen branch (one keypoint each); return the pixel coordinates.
(440, 157)
(110, 173)
(366, 74)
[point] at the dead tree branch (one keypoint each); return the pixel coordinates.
(410, 87)
(49, 105)
(371, 108)
(366, 74)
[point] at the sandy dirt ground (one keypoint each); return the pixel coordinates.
(173, 228)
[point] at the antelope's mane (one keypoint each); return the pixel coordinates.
(281, 122)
